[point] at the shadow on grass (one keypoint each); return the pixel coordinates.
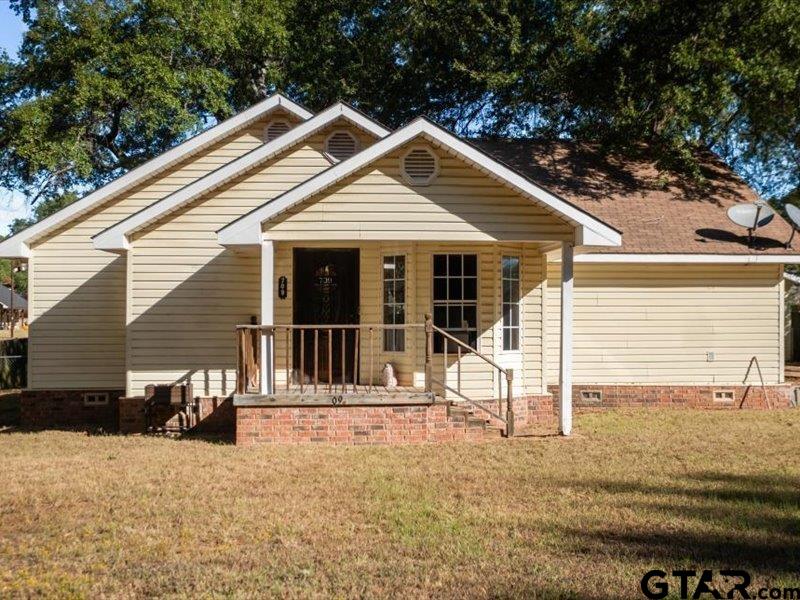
(9, 409)
(735, 521)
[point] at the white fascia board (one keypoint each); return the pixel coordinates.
(17, 246)
(115, 238)
(247, 229)
(741, 259)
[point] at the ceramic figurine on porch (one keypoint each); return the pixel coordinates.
(388, 378)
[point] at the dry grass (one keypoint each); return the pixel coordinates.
(107, 516)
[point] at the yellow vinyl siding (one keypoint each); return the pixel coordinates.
(77, 337)
(189, 293)
(462, 204)
(478, 378)
(654, 324)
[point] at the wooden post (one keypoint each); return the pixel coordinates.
(510, 403)
(316, 359)
(428, 352)
(330, 360)
(239, 362)
(267, 336)
(565, 371)
(302, 358)
(356, 366)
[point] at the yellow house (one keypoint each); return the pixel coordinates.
(397, 285)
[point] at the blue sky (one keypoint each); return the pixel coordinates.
(12, 204)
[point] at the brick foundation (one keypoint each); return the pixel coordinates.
(48, 409)
(686, 396)
(347, 425)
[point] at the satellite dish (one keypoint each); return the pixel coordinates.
(752, 215)
(794, 218)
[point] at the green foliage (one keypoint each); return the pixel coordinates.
(101, 86)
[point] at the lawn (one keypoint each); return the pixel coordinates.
(544, 517)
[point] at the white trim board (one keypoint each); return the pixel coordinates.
(743, 259)
(18, 246)
(247, 229)
(115, 238)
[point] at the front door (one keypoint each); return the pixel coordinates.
(326, 288)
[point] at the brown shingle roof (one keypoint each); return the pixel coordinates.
(656, 213)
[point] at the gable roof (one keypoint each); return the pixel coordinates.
(20, 303)
(115, 238)
(655, 216)
(247, 229)
(17, 246)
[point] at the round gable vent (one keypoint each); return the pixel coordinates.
(275, 129)
(420, 166)
(341, 145)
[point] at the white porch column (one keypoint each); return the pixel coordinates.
(565, 372)
(267, 316)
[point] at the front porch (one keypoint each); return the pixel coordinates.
(479, 345)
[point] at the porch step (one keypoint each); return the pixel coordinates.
(466, 415)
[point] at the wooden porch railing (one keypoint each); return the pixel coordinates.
(351, 338)
(461, 347)
(323, 339)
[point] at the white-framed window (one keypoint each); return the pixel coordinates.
(455, 298)
(275, 129)
(95, 399)
(341, 145)
(511, 312)
(394, 302)
(419, 166)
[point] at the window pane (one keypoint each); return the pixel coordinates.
(399, 314)
(515, 339)
(454, 264)
(470, 288)
(440, 316)
(400, 291)
(471, 265)
(506, 290)
(454, 289)
(388, 291)
(440, 288)
(471, 316)
(400, 267)
(399, 340)
(511, 267)
(454, 317)
(440, 265)
(388, 267)
(388, 314)
(506, 338)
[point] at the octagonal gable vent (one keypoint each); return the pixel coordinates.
(420, 166)
(276, 129)
(341, 145)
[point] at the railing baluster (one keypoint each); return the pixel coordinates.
(316, 359)
(356, 365)
(288, 362)
(510, 403)
(330, 360)
(271, 349)
(458, 383)
(428, 353)
(344, 354)
(302, 358)
(444, 362)
(499, 392)
(371, 336)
